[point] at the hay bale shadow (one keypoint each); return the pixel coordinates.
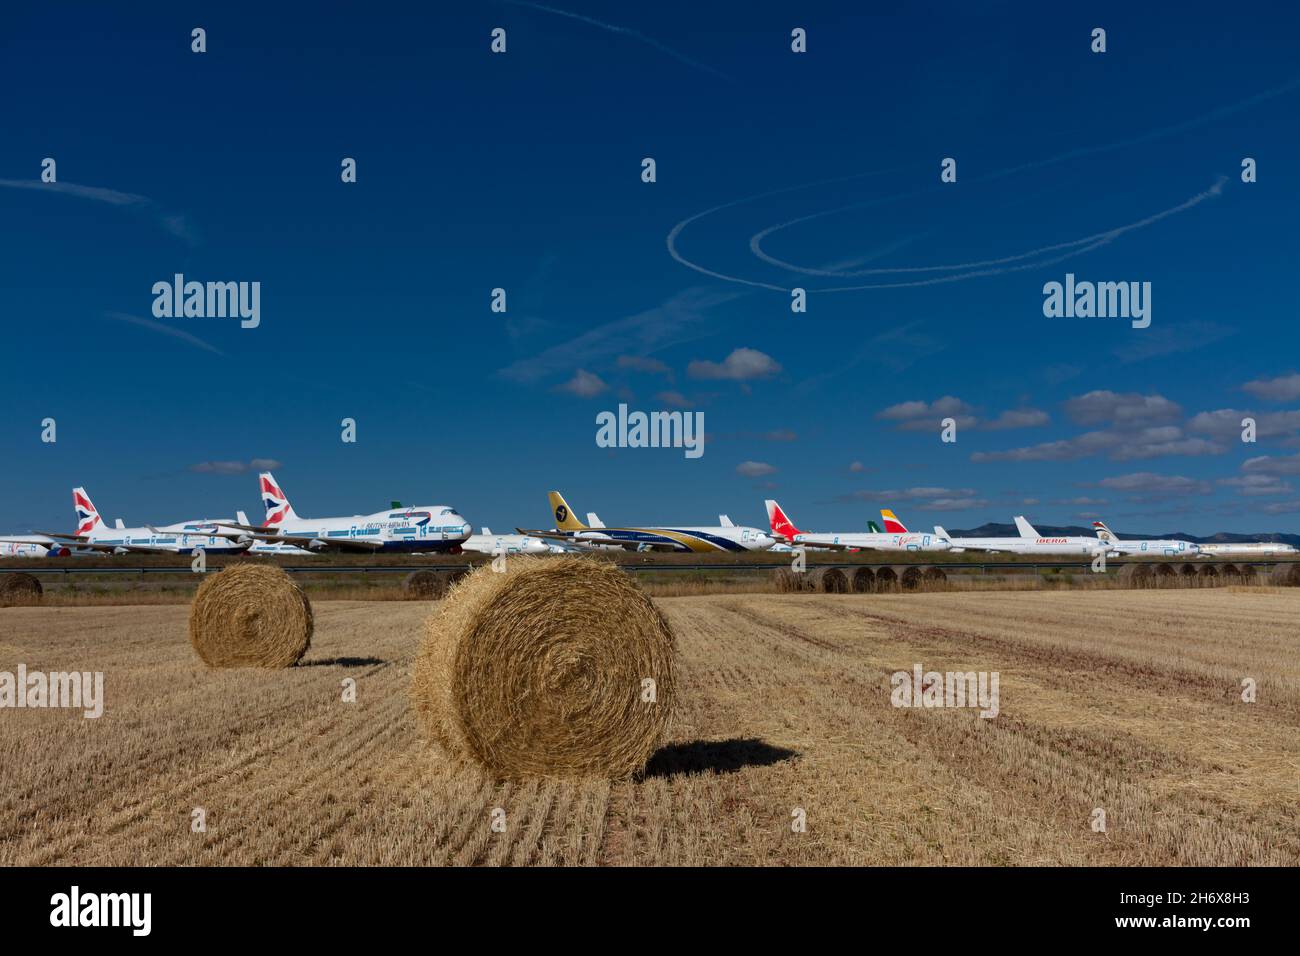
(343, 662)
(715, 756)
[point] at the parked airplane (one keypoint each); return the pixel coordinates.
(1244, 547)
(723, 537)
(181, 538)
(1169, 547)
(419, 528)
(488, 543)
(1029, 541)
(902, 540)
(33, 546)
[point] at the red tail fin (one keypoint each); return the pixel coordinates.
(782, 527)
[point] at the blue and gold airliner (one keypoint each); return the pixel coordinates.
(723, 537)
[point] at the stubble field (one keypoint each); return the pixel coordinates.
(1124, 701)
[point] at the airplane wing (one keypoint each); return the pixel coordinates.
(593, 542)
(201, 534)
(305, 540)
(111, 548)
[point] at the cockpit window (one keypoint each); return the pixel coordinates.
(448, 511)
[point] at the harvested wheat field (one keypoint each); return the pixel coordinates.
(1128, 701)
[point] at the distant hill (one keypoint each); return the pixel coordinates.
(994, 530)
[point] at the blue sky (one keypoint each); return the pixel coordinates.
(522, 171)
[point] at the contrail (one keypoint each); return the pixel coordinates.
(1091, 242)
(1083, 245)
(164, 330)
(175, 224)
(677, 229)
(625, 31)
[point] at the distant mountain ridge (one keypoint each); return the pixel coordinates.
(995, 530)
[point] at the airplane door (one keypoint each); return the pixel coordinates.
(925, 541)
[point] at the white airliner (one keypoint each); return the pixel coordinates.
(1028, 542)
(214, 536)
(488, 543)
(422, 528)
(1168, 547)
(32, 546)
(723, 537)
(1245, 547)
(896, 538)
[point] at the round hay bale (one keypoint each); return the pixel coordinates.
(934, 578)
(543, 670)
(1187, 574)
(425, 585)
(886, 579)
(18, 588)
(1136, 575)
(1209, 575)
(1229, 570)
(1286, 575)
(909, 577)
(863, 580)
(250, 615)
(829, 581)
(1248, 574)
(785, 580)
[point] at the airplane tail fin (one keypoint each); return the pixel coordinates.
(939, 532)
(1104, 533)
(88, 518)
(781, 525)
(487, 532)
(1025, 528)
(594, 521)
(278, 509)
(242, 518)
(874, 528)
(564, 519)
(892, 524)
(725, 522)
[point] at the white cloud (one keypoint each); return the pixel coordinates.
(754, 469)
(584, 384)
(236, 467)
(1284, 388)
(741, 365)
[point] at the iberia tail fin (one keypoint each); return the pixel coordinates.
(892, 524)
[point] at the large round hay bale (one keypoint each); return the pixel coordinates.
(1248, 574)
(1187, 574)
(886, 579)
(18, 588)
(1136, 575)
(1208, 575)
(1230, 571)
(934, 579)
(909, 577)
(250, 615)
(786, 580)
(1286, 575)
(829, 581)
(863, 580)
(545, 669)
(1164, 574)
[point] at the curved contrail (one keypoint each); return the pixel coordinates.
(1000, 265)
(626, 31)
(1100, 238)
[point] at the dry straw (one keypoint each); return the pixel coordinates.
(426, 585)
(17, 588)
(545, 669)
(250, 615)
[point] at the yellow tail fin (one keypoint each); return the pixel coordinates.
(564, 519)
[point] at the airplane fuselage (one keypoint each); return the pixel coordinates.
(432, 528)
